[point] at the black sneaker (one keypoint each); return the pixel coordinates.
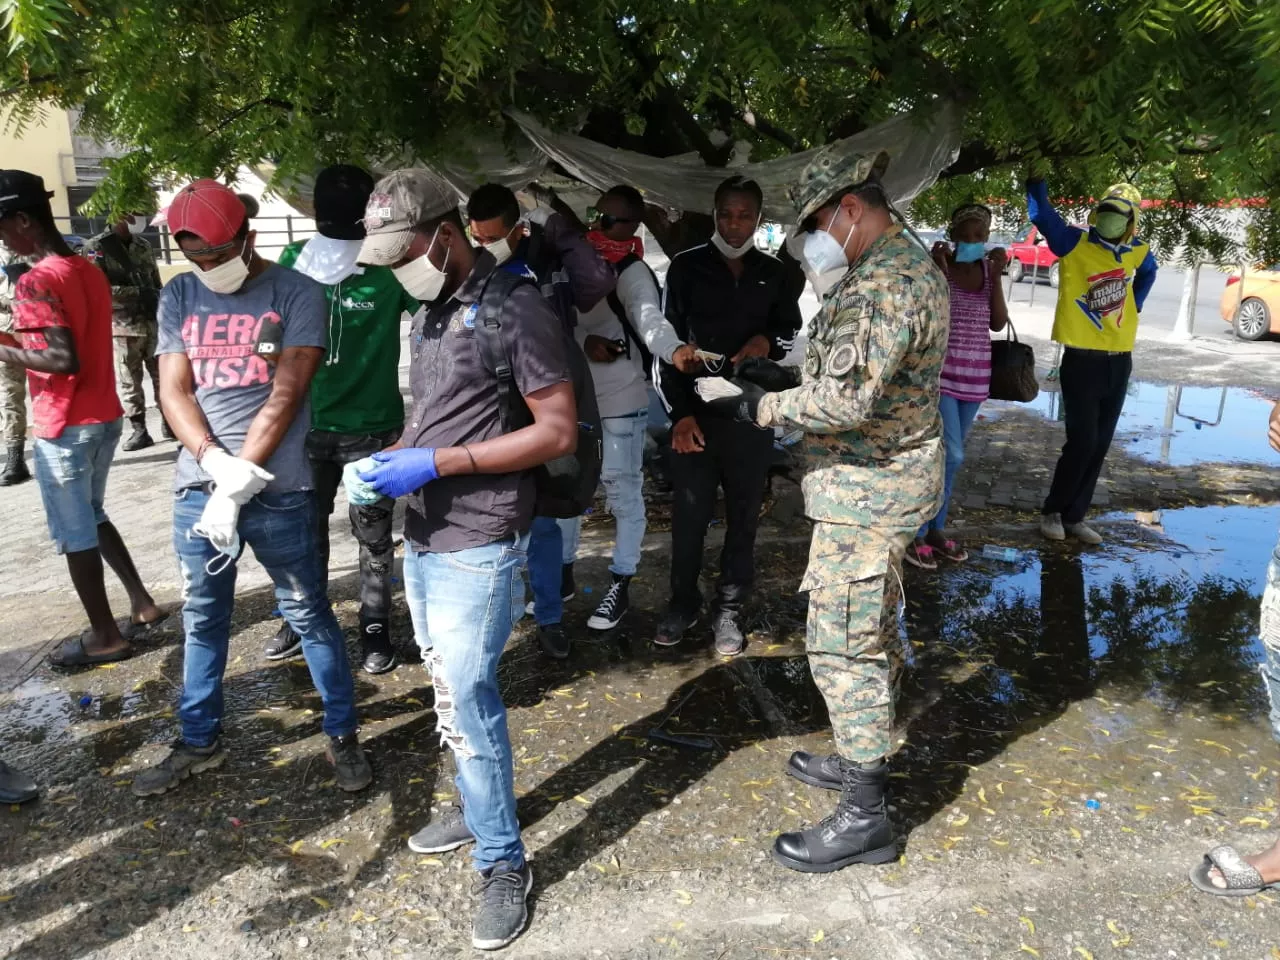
(284, 644)
(350, 765)
(567, 588)
(502, 912)
(553, 642)
(671, 628)
(444, 833)
(183, 760)
(375, 641)
(729, 639)
(613, 607)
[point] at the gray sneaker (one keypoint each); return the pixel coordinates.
(502, 912)
(183, 760)
(444, 833)
(350, 765)
(729, 639)
(1084, 533)
(1051, 526)
(16, 786)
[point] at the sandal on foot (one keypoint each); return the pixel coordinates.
(133, 628)
(950, 550)
(920, 555)
(1243, 879)
(73, 654)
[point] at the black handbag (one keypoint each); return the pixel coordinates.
(1013, 369)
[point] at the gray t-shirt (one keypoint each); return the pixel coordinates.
(455, 402)
(220, 334)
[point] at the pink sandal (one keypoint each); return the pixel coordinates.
(950, 550)
(920, 555)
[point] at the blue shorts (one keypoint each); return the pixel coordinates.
(71, 472)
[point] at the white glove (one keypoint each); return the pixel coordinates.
(218, 524)
(539, 215)
(237, 479)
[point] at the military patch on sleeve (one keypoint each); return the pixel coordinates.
(844, 358)
(850, 336)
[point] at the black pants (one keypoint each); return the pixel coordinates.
(329, 453)
(1093, 387)
(737, 457)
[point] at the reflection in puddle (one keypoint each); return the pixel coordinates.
(1179, 426)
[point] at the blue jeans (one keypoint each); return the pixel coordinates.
(553, 542)
(464, 605)
(1269, 628)
(957, 421)
(281, 529)
(71, 472)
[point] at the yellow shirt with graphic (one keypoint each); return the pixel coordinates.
(1096, 308)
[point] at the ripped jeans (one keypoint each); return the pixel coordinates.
(1269, 628)
(280, 527)
(463, 606)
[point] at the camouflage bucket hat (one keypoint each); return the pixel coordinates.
(832, 169)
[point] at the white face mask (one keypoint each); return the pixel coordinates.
(226, 277)
(825, 253)
(420, 277)
(500, 249)
(732, 252)
(137, 225)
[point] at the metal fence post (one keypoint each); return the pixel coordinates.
(288, 222)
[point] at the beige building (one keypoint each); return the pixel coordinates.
(45, 147)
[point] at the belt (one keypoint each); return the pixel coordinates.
(1104, 353)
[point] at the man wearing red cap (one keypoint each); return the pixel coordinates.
(62, 317)
(239, 341)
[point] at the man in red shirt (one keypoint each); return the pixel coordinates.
(62, 318)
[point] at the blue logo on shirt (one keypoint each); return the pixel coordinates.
(469, 318)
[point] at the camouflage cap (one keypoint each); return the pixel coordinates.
(832, 169)
(401, 201)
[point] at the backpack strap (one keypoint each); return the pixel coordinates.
(498, 286)
(615, 304)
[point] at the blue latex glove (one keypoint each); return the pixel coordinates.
(359, 493)
(397, 472)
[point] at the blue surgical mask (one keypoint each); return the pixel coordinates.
(970, 252)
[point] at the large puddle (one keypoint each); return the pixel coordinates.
(1179, 426)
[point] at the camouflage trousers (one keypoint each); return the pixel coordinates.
(855, 652)
(13, 396)
(134, 355)
(13, 404)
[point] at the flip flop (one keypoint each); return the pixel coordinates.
(950, 550)
(1243, 880)
(130, 629)
(72, 654)
(920, 555)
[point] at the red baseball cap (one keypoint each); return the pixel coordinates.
(209, 209)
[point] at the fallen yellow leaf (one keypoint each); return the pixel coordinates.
(431, 862)
(684, 897)
(296, 846)
(149, 824)
(186, 927)
(320, 902)
(1256, 821)
(1084, 953)
(1031, 950)
(331, 843)
(1028, 923)
(818, 937)
(980, 910)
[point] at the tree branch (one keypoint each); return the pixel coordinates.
(237, 114)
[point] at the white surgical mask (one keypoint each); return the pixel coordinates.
(500, 249)
(328, 260)
(218, 525)
(732, 252)
(420, 277)
(825, 253)
(226, 277)
(137, 225)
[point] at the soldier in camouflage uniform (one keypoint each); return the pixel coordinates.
(13, 383)
(868, 403)
(130, 264)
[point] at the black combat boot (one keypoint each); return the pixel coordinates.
(375, 641)
(858, 831)
(815, 770)
(15, 466)
(139, 439)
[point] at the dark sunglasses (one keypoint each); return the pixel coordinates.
(607, 220)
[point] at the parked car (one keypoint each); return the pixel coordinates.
(1030, 256)
(1252, 307)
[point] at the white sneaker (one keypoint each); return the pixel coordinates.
(1051, 526)
(1084, 533)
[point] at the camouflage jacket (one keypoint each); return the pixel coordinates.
(7, 288)
(868, 402)
(135, 285)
